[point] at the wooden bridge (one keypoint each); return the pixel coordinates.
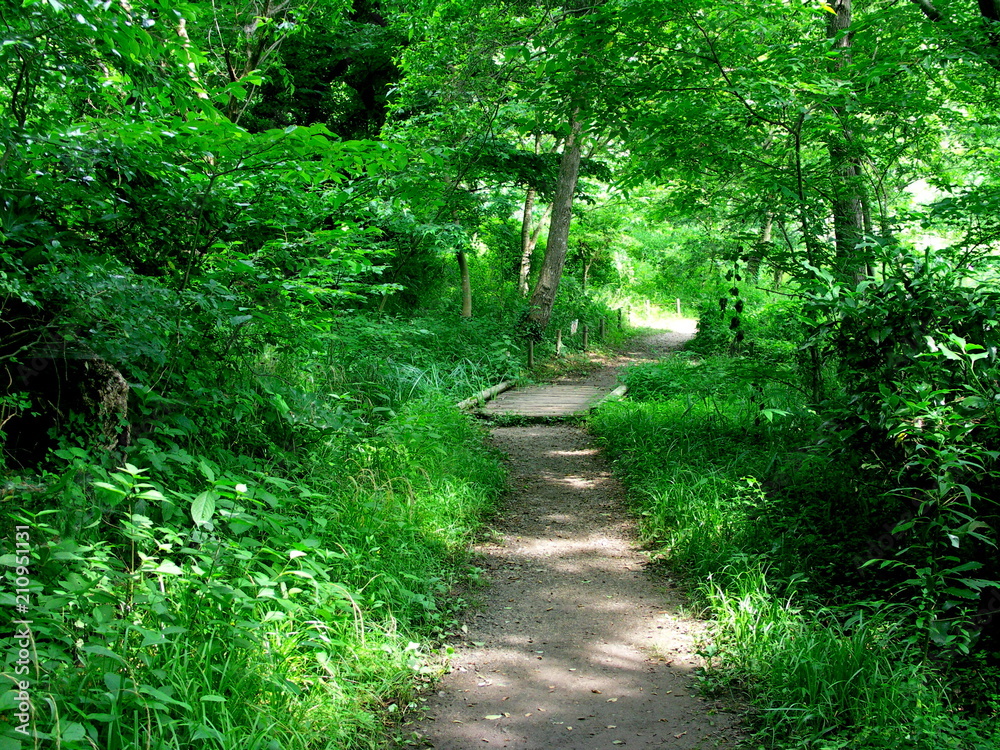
(538, 401)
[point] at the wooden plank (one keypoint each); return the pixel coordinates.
(546, 401)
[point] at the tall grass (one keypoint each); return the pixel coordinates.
(760, 530)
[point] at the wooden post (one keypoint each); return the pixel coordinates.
(531, 354)
(585, 337)
(601, 330)
(619, 318)
(678, 305)
(558, 341)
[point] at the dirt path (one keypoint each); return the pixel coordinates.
(576, 645)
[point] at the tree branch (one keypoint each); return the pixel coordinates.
(928, 9)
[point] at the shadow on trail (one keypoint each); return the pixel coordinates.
(577, 646)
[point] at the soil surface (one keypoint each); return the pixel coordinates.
(577, 644)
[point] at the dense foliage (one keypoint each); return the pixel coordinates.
(251, 254)
(844, 549)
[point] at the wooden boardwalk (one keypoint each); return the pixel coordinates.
(544, 401)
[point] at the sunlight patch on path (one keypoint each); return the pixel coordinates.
(578, 646)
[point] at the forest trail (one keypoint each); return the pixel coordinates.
(577, 644)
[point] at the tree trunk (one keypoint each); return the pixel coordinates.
(463, 272)
(544, 295)
(528, 237)
(989, 11)
(848, 191)
(527, 246)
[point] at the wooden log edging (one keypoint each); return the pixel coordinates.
(485, 395)
(615, 395)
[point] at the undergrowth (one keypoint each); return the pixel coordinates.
(728, 471)
(271, 562)
(263, 548)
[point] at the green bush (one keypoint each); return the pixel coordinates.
(751, 322)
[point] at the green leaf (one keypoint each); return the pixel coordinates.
(961, 593)
(110, 488)
(972, 565)
(203, 508)
(73, 732)
(208, 733)
(207, 471)
(161, 695)
(978, 583)
(102, 651)
(168, 567)
(8, 700)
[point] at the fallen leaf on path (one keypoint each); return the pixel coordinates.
(493, 717)
(612, 700)
(596, 691)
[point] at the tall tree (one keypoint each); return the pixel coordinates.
(848, 199)
(544, 294)
(529, 232)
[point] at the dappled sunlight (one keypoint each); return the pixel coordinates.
(595, 676)
(601, 671)
(585, 452)
(579, 646)
(579, 482)
(583, 553)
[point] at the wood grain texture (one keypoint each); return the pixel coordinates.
(546, 401)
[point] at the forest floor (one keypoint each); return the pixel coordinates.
(578, 642)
